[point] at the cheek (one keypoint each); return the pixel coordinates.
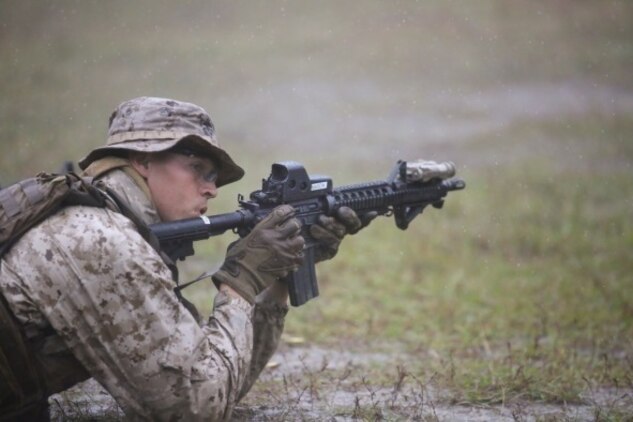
(167, 180)
(173, 193)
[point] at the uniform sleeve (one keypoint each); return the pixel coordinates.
(268, 325)
(110, 297)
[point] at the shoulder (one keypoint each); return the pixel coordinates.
(90, 227)
(80, 252)
(82, 233)
(87, 248)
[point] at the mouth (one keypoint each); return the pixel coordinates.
(203, 210)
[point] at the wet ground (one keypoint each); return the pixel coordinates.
(301, 394)
(349, 395)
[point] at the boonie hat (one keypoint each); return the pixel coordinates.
(151, 124)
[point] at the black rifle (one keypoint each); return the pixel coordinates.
(409, 188)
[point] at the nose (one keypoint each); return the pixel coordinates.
(209, 190)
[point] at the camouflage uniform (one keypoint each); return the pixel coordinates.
(108, 296)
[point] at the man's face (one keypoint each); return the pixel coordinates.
(180, 185)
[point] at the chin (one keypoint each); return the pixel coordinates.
(182, 216)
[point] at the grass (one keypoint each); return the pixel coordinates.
(558, 241)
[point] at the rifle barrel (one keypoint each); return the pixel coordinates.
(200, 228)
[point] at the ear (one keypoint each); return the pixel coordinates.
(140, 163)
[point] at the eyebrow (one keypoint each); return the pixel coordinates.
(188, 152)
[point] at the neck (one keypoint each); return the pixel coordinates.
(120, 176)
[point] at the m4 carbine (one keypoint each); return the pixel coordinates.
(409, 188)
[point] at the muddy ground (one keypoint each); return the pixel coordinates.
(300, 396)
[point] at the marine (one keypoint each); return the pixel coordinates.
(86, 293)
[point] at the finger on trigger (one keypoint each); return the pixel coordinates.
(278, 216)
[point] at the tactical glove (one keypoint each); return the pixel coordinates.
(270, 251)
(329, 231)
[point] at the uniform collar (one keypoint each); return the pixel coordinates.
(120, 176)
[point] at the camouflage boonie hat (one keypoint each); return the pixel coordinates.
(150, 124)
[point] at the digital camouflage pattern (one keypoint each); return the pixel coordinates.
(87, 273)
(152, 124)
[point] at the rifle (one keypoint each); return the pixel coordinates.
(409, 188)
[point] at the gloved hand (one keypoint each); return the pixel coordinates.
(329, 231)
(270, 251)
